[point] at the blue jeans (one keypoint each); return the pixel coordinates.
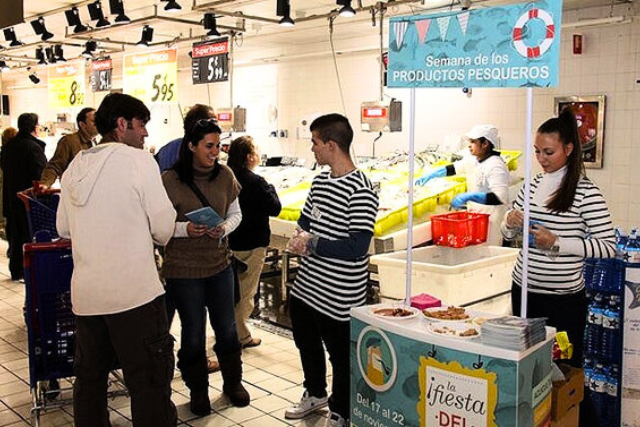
(191, 297)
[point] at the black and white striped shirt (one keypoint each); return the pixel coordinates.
(585, 231)
(336, 207)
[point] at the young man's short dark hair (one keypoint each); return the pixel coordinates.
(116, 105)
(334, 127)
(82, 115)
(195, 113)
(27, 122)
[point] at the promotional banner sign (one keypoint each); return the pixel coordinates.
(210, 61)
(152, 77)
(101, 72)
(66, 85)
(508, 46)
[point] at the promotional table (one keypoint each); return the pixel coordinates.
(403, 375)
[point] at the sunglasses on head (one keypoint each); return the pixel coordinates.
(204, 123)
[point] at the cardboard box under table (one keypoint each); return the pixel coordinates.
(567, 394)
(403, 375)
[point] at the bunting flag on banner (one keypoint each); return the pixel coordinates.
(463, 20)
(400, 29)
(423, 28)
(443, 23)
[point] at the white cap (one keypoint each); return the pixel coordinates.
(489, 132)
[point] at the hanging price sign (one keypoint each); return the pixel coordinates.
(152, 77)
(210, 61)
(66, 85)
(101, 72)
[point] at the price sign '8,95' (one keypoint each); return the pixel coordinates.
(66, 85)
(152, 77)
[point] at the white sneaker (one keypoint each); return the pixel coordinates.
(335, 420)
(307, 405)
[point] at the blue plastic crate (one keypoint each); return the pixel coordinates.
(50, 320)
(42, 206)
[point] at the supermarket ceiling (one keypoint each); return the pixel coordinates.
(256, 20)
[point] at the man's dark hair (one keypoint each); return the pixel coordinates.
(334, 127)
(116, 105)
(82, 115)
(195, 113)
(27, 122)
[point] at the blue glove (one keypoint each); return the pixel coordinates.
(438, 173)
(462, 199)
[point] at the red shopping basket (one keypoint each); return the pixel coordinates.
(459, 229)
(42, 205)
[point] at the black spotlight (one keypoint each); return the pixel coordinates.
(51, 57)
(89, 48)
(117, 8)
(283, 8)
(146, 37)
(33, 76)
(40, 56)
(172, 6)
(4, 66)
(59, 53)
(73, 19)
(10, 36)
(40, 29)
(211, 25)
(96, 14)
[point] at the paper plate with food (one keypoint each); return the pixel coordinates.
(392, 312)
(447, 314)
(460, 330)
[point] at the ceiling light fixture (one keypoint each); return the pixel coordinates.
(59, 53)
(10, 36)
(40, 56)
(211, 25)
(347, 11)
(51, 57)
(33, 76)
(284, 9)
(89, 48)
(146, 36)
(117, 8)
(40, 29)
(96, 14)
(4, 66)
(73, 19)
(172, 6)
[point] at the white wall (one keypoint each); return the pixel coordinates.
(304, 83)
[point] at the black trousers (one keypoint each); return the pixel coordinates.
(310, 330)
(139, 340)
(17, 229)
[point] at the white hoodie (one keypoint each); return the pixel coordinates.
(114, 208)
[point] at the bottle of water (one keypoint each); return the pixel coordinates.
(613, 402)
(617, 279)
(632, 258)
(589, 266)
(610, 350)
(588, 371)
(601, 281)
(599, 396)
(593, 329)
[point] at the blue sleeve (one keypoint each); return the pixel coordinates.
(354, 246)
(304, 222)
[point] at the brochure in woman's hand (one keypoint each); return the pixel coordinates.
(205, 216)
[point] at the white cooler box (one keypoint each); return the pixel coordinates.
(455, 276)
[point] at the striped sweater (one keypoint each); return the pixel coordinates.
(585, 231)
(336, 207)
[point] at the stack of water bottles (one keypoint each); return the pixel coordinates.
(604, 280)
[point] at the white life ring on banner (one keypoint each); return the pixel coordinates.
(518, 32)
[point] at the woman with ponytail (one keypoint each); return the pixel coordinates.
(569, 221)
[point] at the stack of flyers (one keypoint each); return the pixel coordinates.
(514, 333)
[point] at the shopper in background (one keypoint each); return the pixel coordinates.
(70, 145)
(336, 230)
(168, 155)
(22, 160)
(487, 178)
(114, 208)
(258, 201)
(572, 222)
(197, 265)
(7, 134)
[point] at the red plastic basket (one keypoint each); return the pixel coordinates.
(459, 229)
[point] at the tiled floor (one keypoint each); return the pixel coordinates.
(272, 374)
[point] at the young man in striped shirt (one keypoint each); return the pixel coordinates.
(336, 229)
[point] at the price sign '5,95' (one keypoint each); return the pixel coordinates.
(210, 61)
(66, 85)
(152, 77)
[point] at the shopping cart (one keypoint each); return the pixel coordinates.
(42, 205)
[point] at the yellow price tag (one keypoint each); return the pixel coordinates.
(152, 77)
(66, 85)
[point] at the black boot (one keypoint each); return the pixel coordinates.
(231, 369)
(196, 377)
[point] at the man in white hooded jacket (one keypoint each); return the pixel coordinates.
(114, 208)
